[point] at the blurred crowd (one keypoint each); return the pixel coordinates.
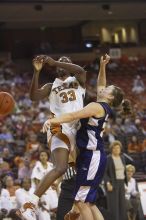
(23, 147)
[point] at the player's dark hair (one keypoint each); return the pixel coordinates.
(126, 105)
(119, 100)
(118, 96)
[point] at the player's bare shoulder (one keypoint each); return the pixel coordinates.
(97, 109)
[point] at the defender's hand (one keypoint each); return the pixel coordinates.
(104, 59)
(46, 126)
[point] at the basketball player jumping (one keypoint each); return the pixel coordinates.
(65, 94)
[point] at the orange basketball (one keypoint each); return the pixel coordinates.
(7, 103)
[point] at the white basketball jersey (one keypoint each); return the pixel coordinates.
(64, 98)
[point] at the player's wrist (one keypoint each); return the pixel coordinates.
(102, 65)
(36, 71)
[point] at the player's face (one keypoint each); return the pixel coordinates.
(107, 92)
(62, 72)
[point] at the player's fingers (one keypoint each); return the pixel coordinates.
(42, 61)
(101, 59)
(47, 126)
(42, 57)
(44, 128)
(107, 56)
(39, 58)
(45, 58)
(34, 60)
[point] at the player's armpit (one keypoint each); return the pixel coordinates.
(41, 93)
(81, 77)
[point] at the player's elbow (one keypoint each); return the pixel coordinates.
(33, 97)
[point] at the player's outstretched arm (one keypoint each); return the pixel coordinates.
(101, 80)
(37, 93)
(92, 109)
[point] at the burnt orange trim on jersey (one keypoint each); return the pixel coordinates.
(65, 139)
(56, 131)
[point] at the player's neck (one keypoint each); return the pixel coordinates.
(102, 100)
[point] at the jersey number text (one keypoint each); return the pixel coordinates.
(68, 96)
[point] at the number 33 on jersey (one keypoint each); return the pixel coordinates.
(66, 96)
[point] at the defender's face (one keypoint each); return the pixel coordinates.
(107, 92)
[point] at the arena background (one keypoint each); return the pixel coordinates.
(82, 30)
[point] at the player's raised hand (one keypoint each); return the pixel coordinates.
(104, 59)
(38, 64)
(46, 126)
(45, 59)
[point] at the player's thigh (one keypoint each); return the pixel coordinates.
(60, 157)
(59, 140)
